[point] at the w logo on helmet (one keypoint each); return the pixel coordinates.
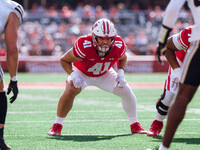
(94, 26)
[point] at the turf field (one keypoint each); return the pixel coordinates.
(97, 120)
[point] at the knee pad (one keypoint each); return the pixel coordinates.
(164, 102)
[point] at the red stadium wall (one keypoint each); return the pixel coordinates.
(51, 64)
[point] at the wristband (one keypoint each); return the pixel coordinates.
(121, 72)
(164, 34)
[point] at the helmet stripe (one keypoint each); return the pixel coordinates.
(107, 27)
(104, 27)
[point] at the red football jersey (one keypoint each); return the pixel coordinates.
(92, 64)
(183, 42)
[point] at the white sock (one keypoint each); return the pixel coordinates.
(160, 117)
(59, 120)
(162, 147)
(128, 102)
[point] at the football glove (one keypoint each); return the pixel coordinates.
(121, 82)
(13, 87)
(164, 34)
(176, 78)
(77, 80)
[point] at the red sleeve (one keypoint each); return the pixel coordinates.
(184, 37)
(120, 47)
(78, 48)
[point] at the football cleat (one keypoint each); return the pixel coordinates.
(155, 128)
(137, 128)
(55, 129)
(3, 145)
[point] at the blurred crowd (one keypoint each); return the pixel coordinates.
(51, 31)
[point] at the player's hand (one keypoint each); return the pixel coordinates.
(176, 78)
(77, 80)
(121, 82)
(13, 87)
(160, 51)
(162, 40)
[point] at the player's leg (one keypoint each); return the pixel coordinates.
(189, 83)
(64, 105)
(108, 83)
(177, 110)
(162, 107)
(129, 104)
(3, 111)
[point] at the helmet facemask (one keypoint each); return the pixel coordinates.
(103, 28)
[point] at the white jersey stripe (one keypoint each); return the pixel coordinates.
(78, 53)
(80, 50)
(183, 44)
(123, 52)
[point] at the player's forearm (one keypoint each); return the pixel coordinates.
(12, 62)
(122, 63)
(67, 66)
(171, 58)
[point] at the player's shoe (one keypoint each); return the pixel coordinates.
(55, 129)
(155, 128)
(3, 145)
(137, 128)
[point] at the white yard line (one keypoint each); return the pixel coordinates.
(140, 109)
(78, 121)
(78, 111)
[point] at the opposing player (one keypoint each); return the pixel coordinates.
(190, 77)
(92, 57)
(10, 19)
(177, 46)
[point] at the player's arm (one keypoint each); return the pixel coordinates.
(170, 54)
(11, 36)
(67, 59)
(170, 18)
(122, 62)
(121, 82)
(66, 62)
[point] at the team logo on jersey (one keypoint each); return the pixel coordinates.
(92, 59)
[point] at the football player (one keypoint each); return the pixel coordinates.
(10, 19)
(190, 76)
(90, 62)
(177, 46)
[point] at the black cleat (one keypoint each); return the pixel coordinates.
(3, 145)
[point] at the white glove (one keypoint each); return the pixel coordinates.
(121, 82)
(176, 78)
(77, 80)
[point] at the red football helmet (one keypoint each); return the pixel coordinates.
(103, 28)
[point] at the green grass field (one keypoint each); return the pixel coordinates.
(97, 120)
